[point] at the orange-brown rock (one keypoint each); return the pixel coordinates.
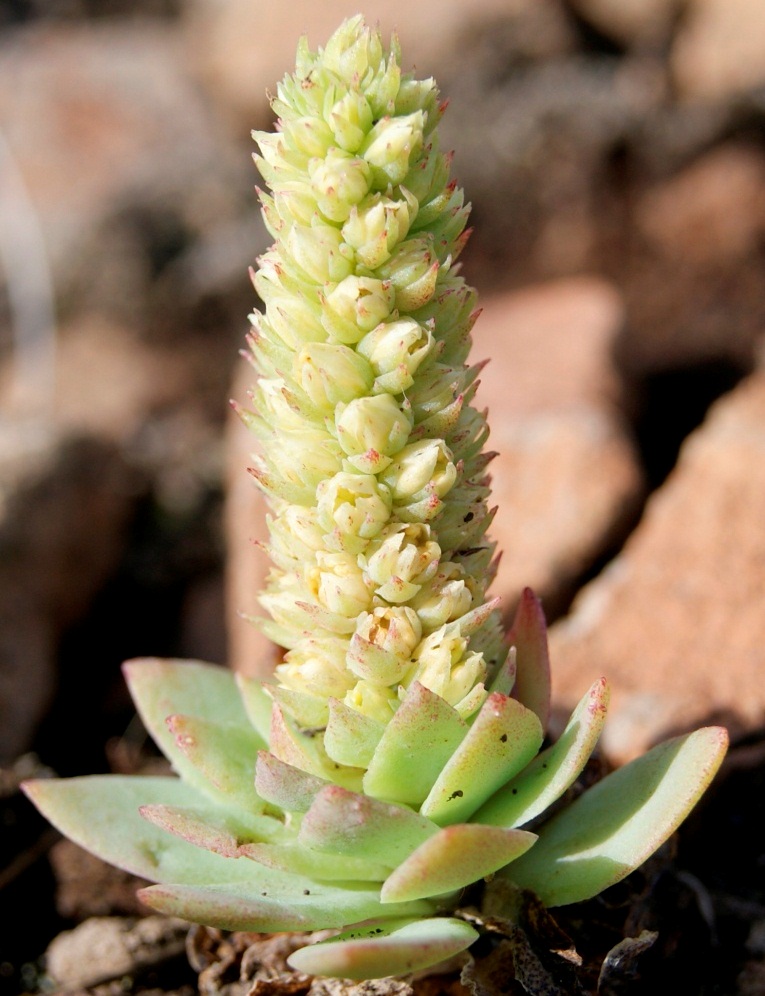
(676, 621)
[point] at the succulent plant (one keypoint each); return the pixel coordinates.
(397, 756)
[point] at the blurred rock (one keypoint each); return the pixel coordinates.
(65, 502)
(719, 48)
(535, 146)
(121, 158)
(704, 226)
(633, 23)
(675, 622)
(242, 48)
(87, 886)
(567, 480)
(104, 948)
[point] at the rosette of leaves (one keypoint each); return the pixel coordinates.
(397, 757)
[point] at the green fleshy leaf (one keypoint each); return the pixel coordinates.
(279, 902)
(342, 822)
(224, 754)
(161, 688)
(284, 785)
(212, 828)
(307, 710)
(351, 737)
(324, 867)
(614, 826)
(101, 814)
(417, 743)
(454, 858)
(504, 737)
(553, 771)
(395, 947)
(256, 702)
(528, 634)
(305, 751)
(504, 679)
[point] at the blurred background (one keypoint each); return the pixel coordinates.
(614, 154)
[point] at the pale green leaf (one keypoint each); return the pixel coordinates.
(351, 737)
(284, 785)
(256, 702)
(553, 771)
(224, 755)
(282, 902)
(454, 858)
(342, 822)
(504, 737)
(416, 744)
(302, 860)
(162, 688)
(385, 948)
(614, 826)
(101, 814)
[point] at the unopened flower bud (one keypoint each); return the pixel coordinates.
(354, 505)
(442, 665)
(447, 597)
(413, 271)
(356, 306)
(371, 700)
(295, 320)
(372, 429)
(309, 136)
(383, 644)
(405, 557)
(317, 667)
(395, 351)
(376, 226)
(392, 146)
(339, 585)
(296, 536)
(353, 51)
(420, 470)
(350, 119)
(330, 373)
(339, 181)
(320, 253)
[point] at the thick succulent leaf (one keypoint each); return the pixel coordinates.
(553, 771)
(101, 814)
(528, 634)
(307, 710)
(302, 860)
(343, 822)
(304, 750)
(224, 754)
(417, 743)
(453, 858)
(281, 902)
(504, 679)
(284, 785)
(351, 737)
(395, 947)
(212, 828)
(161, 688)
(504, 737)
(257, 703)
(614, 826)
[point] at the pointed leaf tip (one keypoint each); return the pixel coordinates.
(528, 634)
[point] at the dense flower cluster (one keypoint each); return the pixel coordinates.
(371, 453)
